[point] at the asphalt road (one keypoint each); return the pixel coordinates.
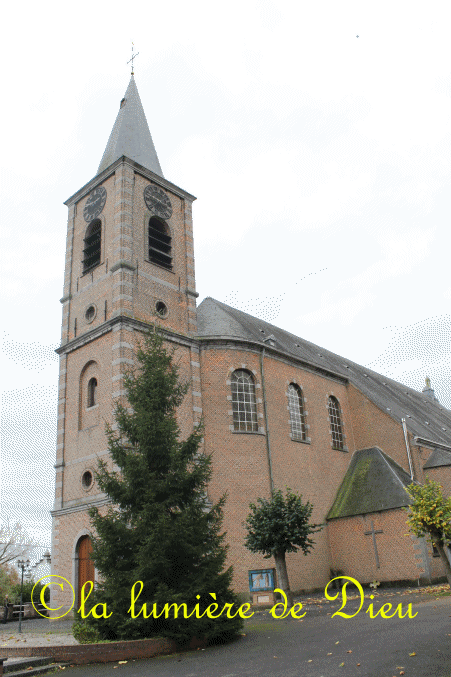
(316, 646)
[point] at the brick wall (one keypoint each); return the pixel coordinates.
(96, 653)
(400, 554)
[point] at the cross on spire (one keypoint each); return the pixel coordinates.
(133, 57)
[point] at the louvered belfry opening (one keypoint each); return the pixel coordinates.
(160, 243)
(92, 245)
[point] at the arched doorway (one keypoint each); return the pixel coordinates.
(86, 569)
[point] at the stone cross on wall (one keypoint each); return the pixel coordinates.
(373, 533)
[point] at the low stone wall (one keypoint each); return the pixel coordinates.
(100, 653)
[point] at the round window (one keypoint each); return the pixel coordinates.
(87, 479)
(90, 313)
(161, 309)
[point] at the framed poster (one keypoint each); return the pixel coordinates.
(261, 579)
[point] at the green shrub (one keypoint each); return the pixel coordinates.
(26, 593)
(84, 633)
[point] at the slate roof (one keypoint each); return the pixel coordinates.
(437, 459)
(130, 135)
(424, 417)
(373, 482)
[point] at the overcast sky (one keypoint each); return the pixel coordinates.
(316, 137)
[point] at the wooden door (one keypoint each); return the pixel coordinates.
(86, 569)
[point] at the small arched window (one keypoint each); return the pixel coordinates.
(92, 392)
(336, 425)
(297, 415)
(160, 250)
(92, 245)
(243, 402)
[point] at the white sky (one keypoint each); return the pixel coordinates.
(321, 163)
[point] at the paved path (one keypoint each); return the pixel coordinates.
(316, 646)
(36, 632)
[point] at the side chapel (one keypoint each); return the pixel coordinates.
(278, 410)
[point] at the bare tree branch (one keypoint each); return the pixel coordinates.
(14, 543)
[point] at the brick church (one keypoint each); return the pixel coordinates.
(278, 410)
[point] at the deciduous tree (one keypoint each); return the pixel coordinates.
(279, 525)
(430, 515)
(8, 580)
(14, 543)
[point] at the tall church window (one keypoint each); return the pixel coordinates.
(92, 392)
(297, 415)
(92, 245)
(336, 426)
(244, 404)
(160, 249)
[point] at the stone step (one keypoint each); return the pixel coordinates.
(37, 671)
(37, 665)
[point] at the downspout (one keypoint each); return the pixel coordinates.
(406, 438)
(265, 410)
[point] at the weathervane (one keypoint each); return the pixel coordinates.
(133, 57)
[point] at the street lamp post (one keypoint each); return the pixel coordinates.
(22, 565)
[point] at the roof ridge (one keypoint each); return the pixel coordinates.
(391, 467)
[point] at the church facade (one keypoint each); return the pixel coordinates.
(278, 411)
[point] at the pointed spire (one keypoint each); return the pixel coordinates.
(130, 135)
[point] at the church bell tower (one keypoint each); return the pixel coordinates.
(129, 264)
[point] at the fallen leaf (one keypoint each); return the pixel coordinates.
(337, 642)
(122, 662)
(310, 661)
(412, 654)
(329, 654)
(341, 665)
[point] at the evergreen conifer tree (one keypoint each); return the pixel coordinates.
(159, 527)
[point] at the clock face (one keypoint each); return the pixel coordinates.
(157, 202)
(94, 204)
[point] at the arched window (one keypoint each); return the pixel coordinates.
(160, 243)
(336, 426)
(297, 415)
(243, 402)
(92, 392)
(92, 245)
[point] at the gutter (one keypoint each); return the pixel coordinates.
(421, 441)
(406, 439)
(268, 445)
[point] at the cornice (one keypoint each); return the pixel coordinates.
(81, 507)
(256, 346)
(139, 169)
(106, 327)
